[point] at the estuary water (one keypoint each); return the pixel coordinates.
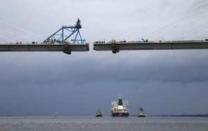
(103, 124)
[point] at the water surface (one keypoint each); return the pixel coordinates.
(103, 124)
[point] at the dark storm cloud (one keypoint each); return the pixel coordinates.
(174, 66)
(91, 81)
(170, 68)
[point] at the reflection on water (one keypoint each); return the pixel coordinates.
(102, 124)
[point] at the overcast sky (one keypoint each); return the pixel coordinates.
(162, 82)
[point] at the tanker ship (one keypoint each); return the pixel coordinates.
(120, 108)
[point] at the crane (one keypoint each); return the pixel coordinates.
(58, 41)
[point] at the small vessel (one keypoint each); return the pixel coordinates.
(99, 114)
(120, 108)
(141, 112)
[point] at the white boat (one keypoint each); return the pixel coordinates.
(120, 108)
(141, 112)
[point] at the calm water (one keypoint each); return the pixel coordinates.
(102, 124)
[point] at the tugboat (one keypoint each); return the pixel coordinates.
(141, 112)
(99, 114)
(120, 108)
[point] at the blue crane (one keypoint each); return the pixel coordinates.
(64, 33)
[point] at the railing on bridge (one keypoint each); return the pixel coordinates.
(58, 41)
(115, 46)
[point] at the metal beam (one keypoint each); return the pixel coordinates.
(65, 32)
(115, 47)
(66, 48)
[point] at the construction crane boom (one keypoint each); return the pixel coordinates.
(64, 33)
(58, 41)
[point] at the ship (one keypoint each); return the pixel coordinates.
(141, 112)
(99, 114)
(120, 108)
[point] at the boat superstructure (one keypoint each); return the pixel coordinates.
(120, 108)
(99, 113)
(141, 112)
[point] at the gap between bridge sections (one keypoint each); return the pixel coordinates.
(59, 41)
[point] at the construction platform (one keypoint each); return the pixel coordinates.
(27, 47)
(58, 41)
(115, 46)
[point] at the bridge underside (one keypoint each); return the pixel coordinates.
(118, 46)
(67, 48)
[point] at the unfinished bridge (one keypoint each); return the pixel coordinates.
(68, 39)
(116, 46)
